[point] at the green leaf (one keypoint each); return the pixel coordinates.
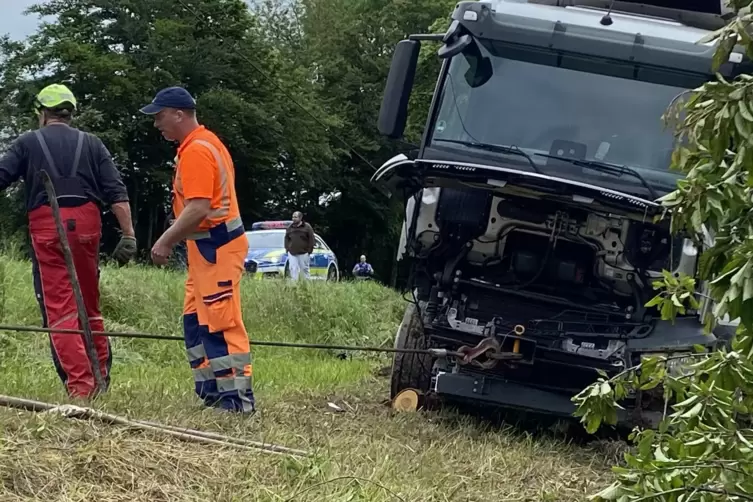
(594, 421)
(606, 389)
(612, 492)
(748, 289)
(695, 410)
(742, 126)
(744, 440)
(659, 455)
(651, 384)
(676, 301)
(667, 311)
(692, 399)
(696, 219)
(705, 263)
(693, 303)
(715, 202)
(744, 110)
(655, 301)
(696, 442)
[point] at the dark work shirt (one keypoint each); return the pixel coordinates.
(98, 175)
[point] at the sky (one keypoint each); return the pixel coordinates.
(12, 20)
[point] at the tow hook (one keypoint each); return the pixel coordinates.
(491, 349)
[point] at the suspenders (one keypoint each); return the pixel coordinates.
(67, 186)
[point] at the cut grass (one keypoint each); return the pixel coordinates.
(366, 452)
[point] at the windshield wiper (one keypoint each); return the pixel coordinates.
(511, 150)
(606, 168)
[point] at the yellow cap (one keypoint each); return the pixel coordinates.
(55, 95)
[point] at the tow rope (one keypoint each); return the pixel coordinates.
(78, 412)
(465, 353)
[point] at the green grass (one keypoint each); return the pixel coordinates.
(366, 452)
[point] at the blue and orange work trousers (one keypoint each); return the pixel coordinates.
(216, 339)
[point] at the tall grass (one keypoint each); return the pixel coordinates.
(362, 451)
(149, 299)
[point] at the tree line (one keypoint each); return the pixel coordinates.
(292, 86)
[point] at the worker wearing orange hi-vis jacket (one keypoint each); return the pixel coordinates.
(207, 217)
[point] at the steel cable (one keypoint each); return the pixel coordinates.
(434, 352)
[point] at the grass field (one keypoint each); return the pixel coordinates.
(365, 453)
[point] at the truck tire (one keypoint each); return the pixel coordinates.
(410, 370)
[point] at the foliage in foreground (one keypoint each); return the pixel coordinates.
(703, 448)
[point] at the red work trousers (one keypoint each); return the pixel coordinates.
(83, 226)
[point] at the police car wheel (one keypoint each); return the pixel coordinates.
(332, 274)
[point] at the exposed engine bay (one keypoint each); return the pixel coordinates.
(574, 280)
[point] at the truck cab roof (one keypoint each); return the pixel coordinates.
(629, 18)
(642, 34)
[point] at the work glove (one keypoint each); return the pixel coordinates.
(125, 250)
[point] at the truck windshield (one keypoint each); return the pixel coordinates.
(560, 112)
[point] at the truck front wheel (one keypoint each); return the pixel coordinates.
(410, 370)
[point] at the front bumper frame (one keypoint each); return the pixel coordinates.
(506, 394)
(453, 383)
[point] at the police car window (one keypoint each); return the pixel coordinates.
(266, 239)
(319, 244)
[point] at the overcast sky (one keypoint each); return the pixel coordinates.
(12, 20)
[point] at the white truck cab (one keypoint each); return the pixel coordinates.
(532, 208)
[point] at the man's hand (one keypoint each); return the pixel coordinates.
(161, 252)
(126, 249)
(193, 214)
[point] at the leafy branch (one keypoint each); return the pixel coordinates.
(702, 448)
(675, 294)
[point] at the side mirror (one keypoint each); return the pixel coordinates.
(393, 113)
(454, 47)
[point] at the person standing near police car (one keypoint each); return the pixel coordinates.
(299, 244)
(85, 181)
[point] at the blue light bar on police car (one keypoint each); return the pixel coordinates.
(268, 225)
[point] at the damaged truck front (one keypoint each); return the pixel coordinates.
(531, 206)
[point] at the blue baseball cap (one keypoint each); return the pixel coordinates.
(171, 97)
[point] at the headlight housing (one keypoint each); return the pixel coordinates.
(270, 259)
(274, 258)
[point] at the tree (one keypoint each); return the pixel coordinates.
(293, 87)
(116, 54)
(348, 49)
(703, 449)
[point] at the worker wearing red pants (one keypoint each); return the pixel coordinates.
(85, 180)
(208, 218)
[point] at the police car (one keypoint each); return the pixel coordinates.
(267, 256)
